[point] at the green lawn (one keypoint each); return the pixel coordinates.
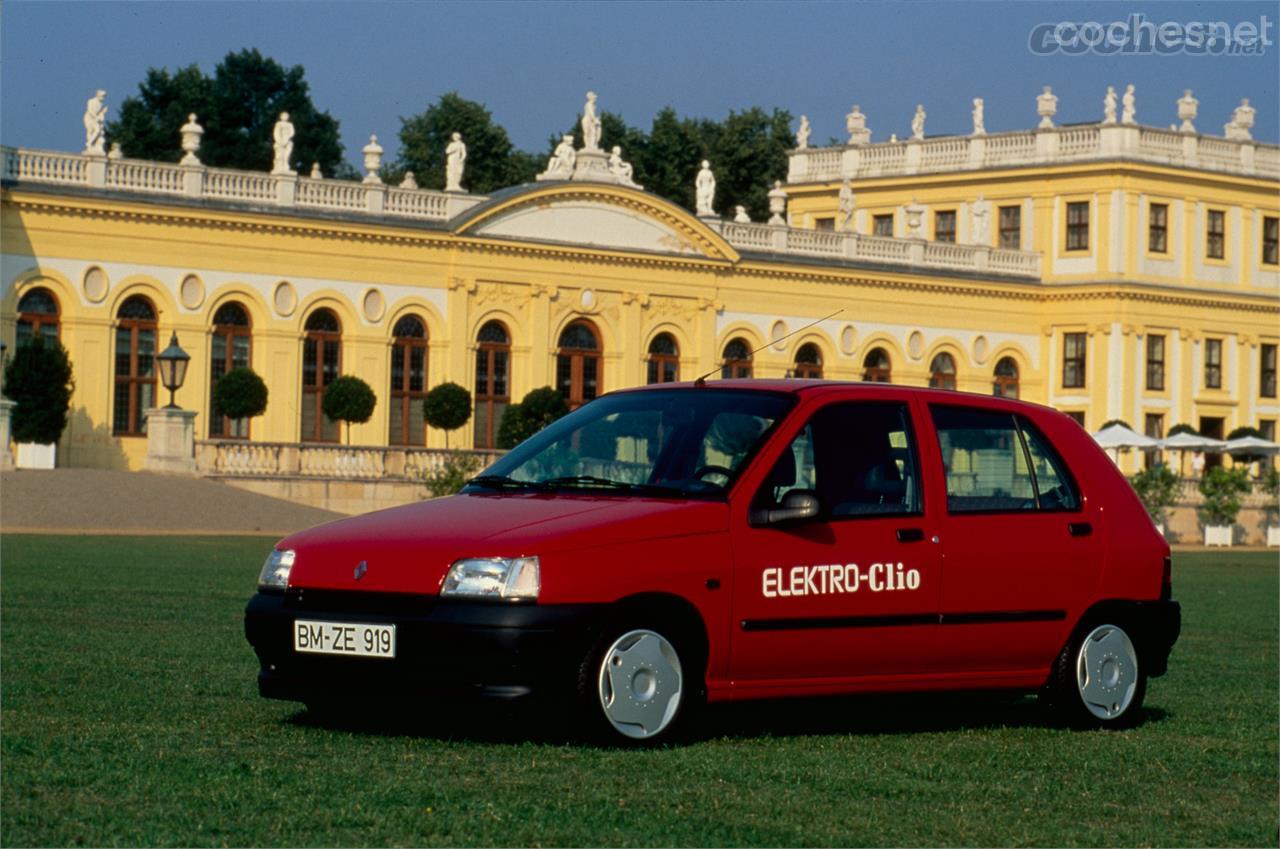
(130, 717)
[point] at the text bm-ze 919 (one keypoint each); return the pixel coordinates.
(663, 547)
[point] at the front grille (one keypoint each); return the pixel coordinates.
(343, 601)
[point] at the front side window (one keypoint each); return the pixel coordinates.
(859, 459)
(1155, 363)
(1158, 228)
(1078, 226)
(944, 225)
(37, 316)
(1011, 227)
(737, 360)
(997, 462)
(135, 360)
(1215, 242)
(1073, 360)
(1213, 364)
(656, 443)
(882, 225)
(1267, 371)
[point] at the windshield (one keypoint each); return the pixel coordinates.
(665, 443)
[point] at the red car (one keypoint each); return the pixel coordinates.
(665, 546)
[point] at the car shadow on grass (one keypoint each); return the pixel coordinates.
(520, 722)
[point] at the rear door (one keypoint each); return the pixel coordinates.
(853, 591)
(1021, 551)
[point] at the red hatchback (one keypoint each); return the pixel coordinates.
(662, 547)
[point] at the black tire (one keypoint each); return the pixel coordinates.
(1099, 680)
(600, 701)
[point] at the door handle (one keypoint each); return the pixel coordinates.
(910, 535)
(1079, 529)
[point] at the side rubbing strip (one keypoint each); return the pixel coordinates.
(909, 619)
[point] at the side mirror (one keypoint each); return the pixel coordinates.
(796, 505)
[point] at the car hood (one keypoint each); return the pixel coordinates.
(409, 549)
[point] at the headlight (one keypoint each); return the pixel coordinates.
(275, 572)
(493, 577)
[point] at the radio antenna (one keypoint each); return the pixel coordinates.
(702, 381)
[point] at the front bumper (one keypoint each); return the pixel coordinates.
(442, 646)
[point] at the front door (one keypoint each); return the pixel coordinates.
(853, 591)
(1021, 550)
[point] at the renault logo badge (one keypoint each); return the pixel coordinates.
(361, 568)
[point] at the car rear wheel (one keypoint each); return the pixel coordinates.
(633, 686)
(1099, 681)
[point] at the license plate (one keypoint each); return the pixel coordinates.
(357, 639)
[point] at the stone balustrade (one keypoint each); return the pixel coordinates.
(1049, 146)
(857, 247)
(240, 459)
(23, 165)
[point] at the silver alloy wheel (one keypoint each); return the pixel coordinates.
(640, 683)
(1107, 671)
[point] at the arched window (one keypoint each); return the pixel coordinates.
(875, 366)
(664, 359)
(230, 347)
(808, 362)
(736, 361)
(135, 367)
(493, 392)
(1005, 384)
(37, 315)
(408, 381)
(578, 364)
(942, 372)
(321, 363)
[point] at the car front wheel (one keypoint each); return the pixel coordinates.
(1099, 680)
(633, 686)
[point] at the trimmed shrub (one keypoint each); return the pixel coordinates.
(349, 399)
(1182, 428)
(39, 381)
(1157, 487)
(240, 394)
(458, 468)
(1109, 422)
(1222, 489)
(447, 407)
(538, 409)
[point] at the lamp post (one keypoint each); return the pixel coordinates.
(172, 362)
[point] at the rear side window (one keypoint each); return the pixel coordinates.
(857, 458)
(997, 462)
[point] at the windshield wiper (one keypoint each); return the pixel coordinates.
(503, 482)
(591, 481)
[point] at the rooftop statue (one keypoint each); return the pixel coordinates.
(740, 215)
(979, 122)
(705, 189)
(802, 134)
(620, 168)
(1109, 106)
(917, 122)
(1241, 122)
(282, 141)
(409, 181)
(590, 124)
(560, 165)
(1129, 101)
(1046, 107)
(455, 155)
(372, 160)
(191, 133)
(1188, 108)
(95, 119)
(856, 124)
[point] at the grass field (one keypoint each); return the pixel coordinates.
(129, 716)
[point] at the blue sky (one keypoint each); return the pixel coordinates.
(369, 63)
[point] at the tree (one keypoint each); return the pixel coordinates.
(240, 394)
(39, 380)
(238, 107)
(539, 408)
(748, 152)
(1222, 489)
(447, 407)
(492, 161)
(349, 399)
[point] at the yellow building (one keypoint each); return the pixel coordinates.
(1109, 270)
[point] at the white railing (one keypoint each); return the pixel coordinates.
(134, 175)
(237, 458)
(1026, 147)
(197, 181)
(815, 242)
(948, 255)
(239, 185)
(883, 249)
(750, 236)
(1008, 261)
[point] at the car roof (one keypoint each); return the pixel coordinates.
(808, 387)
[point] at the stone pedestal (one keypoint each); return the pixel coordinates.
(171, 441)
(593, 166)
(6, 454)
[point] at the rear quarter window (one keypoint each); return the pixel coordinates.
(1000, 462)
